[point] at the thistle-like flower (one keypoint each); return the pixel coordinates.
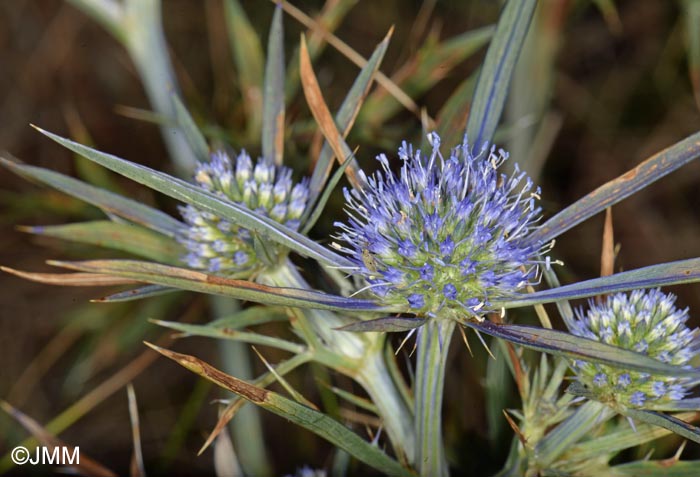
(645, 321)
(446, 235)
(226, 248)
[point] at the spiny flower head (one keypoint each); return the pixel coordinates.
(222, 247)
(448, 234)
(645, 321)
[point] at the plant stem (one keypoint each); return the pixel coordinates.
(433, 346)
(359, 356)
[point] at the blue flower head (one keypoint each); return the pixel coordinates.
(645, 321)
(223, 247)
(447, 234)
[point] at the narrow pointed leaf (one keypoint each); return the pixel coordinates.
(191, 194)
(617, 441)
(666, 421)
(314, 421)
(251, 316)
(273, 93)
(496, 73)
(322, 115)
(193, 135)
(119, 236)
(672, 273)
(265, 379)
(140, 293)
(70, 279)
(574, 347)
(586, 417)
(389, 324)
(362, 403)
(201, 282)
(690, 404)
(321, 204)
(620, 188)
(347, 113)
(231, 334)
(108, 201)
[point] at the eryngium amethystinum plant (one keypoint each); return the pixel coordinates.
(448, 241)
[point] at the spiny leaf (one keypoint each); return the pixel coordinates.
(574, 347)
(620, 188)
(495, 75)
(202, 199)
(108, 201)
(617, 441)
(203, 283)
(317, 422)
(672, 273)
(273, 93)
(666, 421)
(139, 293)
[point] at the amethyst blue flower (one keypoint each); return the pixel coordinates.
(454, 226)
(223, 247)
(645, 321)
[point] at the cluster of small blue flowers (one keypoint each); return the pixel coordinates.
(223, 247)
(645, 321)
(447, 234)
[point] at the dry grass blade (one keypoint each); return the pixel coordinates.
(353, 56)
(70, 279)
(607, 256)
(137, 467)
(86, 466)
(266, 379)
(322, 114)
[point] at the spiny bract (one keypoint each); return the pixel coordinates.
(645, 321)
(223, 247)
(447, 235)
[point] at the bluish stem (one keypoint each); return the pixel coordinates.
(433, 345)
